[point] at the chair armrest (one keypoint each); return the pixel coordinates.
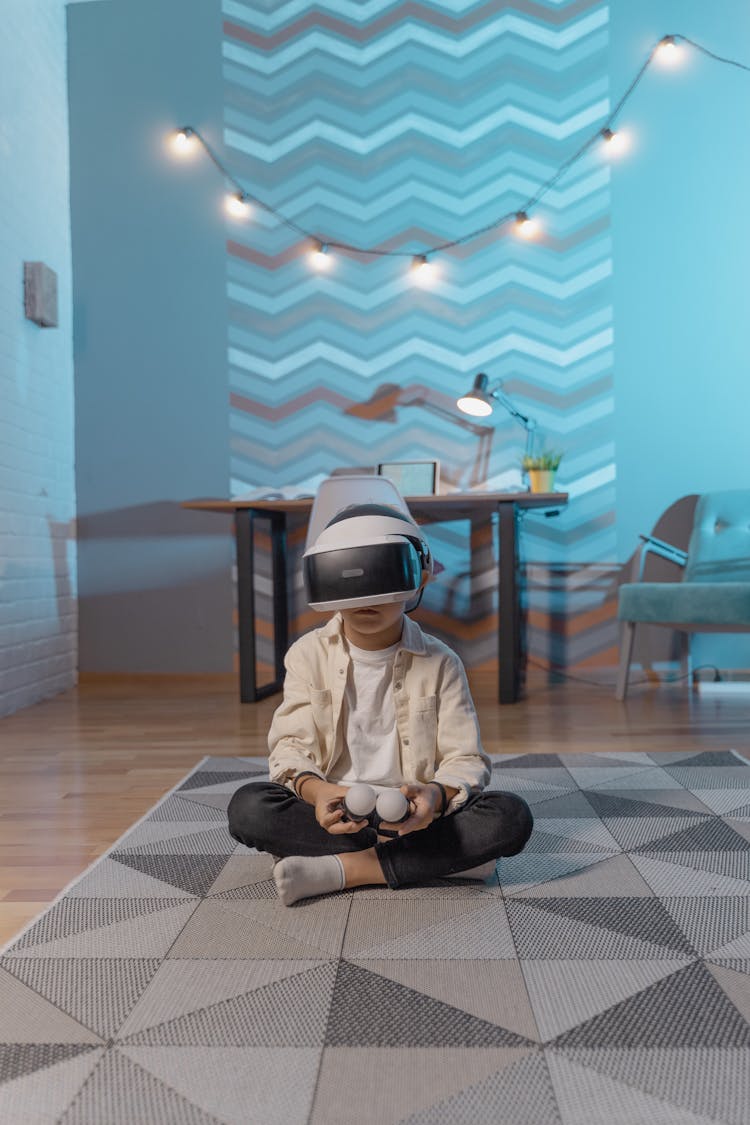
(664, 550)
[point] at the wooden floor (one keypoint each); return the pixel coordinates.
(78, 770)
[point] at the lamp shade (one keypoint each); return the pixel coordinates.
(477, 401)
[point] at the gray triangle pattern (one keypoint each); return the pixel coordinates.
(185, 839)
(19, 1059)
(713, 835)
(371, 1010)
(642, 918)
(79, 915)
(264, 888)
(288, 1013)
(120, 1092)
(195, 874)
(638, 832)
(687, 1009)
(178, 810)
(521, 1094)
(620, 806)
(648, 1015)
(709, 923)
(201, 779)
(98, 992)
(714, 1082)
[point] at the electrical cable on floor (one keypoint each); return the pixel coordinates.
(633, 683)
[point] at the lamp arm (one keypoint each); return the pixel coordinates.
(528, 423)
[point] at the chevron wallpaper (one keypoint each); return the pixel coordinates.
(398, 126)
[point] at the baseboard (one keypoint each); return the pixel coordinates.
(723, 687)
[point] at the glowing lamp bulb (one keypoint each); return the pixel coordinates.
(183, 140)
(319, 256)
(668, 52)
(423, 270)
(359, 801)
(470, 404)
(526, 227)
(237, 205)
(392, 806)
(614, 142)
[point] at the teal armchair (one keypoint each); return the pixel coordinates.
(714, 594)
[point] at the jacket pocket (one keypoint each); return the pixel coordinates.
(423, 734)
(321, 705)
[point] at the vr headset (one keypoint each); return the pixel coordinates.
(367, 554)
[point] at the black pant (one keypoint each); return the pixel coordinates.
(272, 819)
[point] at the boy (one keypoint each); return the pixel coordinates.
(371, 698)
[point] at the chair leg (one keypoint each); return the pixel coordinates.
(686, 663)
(626, 653)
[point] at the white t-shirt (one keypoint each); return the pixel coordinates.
(371, 746)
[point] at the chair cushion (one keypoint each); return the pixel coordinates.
(687, 603)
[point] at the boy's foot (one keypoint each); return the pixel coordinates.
(301, 876)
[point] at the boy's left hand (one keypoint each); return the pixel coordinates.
(424, 800)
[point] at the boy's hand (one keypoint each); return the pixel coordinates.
(424, 800)
(329, 810)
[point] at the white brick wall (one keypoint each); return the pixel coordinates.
(38, 619)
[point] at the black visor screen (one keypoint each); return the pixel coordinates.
(361, 572)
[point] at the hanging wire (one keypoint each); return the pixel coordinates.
(422, 256)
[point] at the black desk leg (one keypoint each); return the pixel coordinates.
(244, 529)
(509, 606)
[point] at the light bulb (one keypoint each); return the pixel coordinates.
(470, 404)
(183, 140)
(422, 270)
(668, 53)
(526, 227)
(238, 205)
(320, 258)
(615, 143)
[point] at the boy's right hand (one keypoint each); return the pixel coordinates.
(329, 810)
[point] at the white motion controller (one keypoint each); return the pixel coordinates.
(391, 805)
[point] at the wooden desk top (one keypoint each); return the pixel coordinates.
(450, 506)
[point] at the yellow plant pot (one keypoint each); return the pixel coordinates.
(541, 480)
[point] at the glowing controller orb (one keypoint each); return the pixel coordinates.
(392, 806)
(359, 801)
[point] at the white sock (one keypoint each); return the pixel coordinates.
(302, 876)
(483, 871)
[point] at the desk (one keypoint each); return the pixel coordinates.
(425, 509)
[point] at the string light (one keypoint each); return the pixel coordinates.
(615, 142)
(422, 270)
(320, 257)
(238, 205)
(668, 51)
(184, 140)
(524, 226)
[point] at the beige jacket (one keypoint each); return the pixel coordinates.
(437, 724)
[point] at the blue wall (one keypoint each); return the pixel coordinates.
(681, 235)
(38, 621)
(150, 339)
(152, 316)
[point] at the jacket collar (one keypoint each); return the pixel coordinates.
(412, 637)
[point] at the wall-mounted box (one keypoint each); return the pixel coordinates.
(40, 294)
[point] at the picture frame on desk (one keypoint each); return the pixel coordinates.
(412, 478)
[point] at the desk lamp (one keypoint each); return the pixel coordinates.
(479, 403)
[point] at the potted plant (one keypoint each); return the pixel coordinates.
(541, 469)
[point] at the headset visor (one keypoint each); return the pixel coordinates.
(367, 571)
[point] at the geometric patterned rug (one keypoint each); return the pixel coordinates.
(601, 976)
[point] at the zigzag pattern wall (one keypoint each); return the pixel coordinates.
(398, 126)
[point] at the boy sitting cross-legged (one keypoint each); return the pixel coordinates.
(371, 698)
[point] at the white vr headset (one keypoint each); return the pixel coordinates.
(369, 552)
